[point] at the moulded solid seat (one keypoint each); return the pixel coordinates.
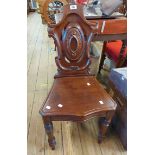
(76, 98)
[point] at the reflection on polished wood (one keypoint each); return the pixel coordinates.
(76, 95)
(72, 138)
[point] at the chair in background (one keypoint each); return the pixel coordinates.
(52, 7)
(115, 51)
(76, 95)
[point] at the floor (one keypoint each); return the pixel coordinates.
(72, 138)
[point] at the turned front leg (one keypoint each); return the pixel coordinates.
(104, 123)
(48, 125)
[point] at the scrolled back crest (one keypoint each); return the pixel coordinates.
(72, 37)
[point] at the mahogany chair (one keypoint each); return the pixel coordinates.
(76, 95)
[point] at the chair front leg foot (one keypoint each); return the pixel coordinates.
(48, 125)
(52, 142)
(104, 123)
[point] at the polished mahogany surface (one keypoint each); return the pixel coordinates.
(73, 97)
(73, 36)
(76, 95)
(111, 26)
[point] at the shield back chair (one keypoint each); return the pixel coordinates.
(76, 95)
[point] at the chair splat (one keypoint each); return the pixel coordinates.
(73, 36)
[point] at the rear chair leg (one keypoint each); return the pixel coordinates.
(48, 125)
(104, 123)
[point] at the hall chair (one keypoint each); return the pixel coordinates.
(76, 95)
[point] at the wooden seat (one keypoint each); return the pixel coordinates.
(76, 95)
(77, 98)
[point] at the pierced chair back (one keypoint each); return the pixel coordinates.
(72, 36)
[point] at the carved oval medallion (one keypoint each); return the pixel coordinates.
(73, 43)
(73, 40)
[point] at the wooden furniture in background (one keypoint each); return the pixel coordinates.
(123, 8)
(76, 95)
(112, 30)
(115, 51)
(50, 10)
(109, 31)
(44, 5)
(109, 28)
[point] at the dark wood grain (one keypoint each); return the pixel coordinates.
(48, 125)
(76, 95)
(80, 99)
(121, 59)
(111, 26)
(73, 25)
